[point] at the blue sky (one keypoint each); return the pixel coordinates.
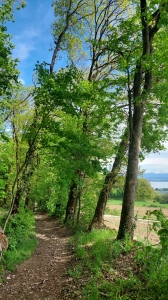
(156, 162)
(32, 38)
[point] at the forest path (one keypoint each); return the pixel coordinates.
(44, 275)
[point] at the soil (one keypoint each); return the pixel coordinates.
(44, 275)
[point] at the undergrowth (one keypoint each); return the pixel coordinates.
(20, 232)
(111, 269)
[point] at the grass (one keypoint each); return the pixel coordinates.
(139, 203)
(140, 213)
(20, 232)
(110, 269)
(105, 268)
(14, 257)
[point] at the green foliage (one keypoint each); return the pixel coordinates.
(6, 149)
(13, 149)
(162, 198)
(97, 252)
(68, 24)
(90, 192)
(75, 118)
(76, 135)
(160, 226)
(20, 232)
(117, 193)
(9, 72)
(117, 270)
(75, 273)
(78, 128)
(153, 272)
(49, 185)
(145, 192)
(96, 245)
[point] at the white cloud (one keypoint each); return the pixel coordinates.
(22, 49)
(30, 33)
(22, 81)
(25, 42)
(156, 162)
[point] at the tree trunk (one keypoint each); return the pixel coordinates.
(17, 200)
(23, 184)
(140, 95)
(127, 214)
(70, 209)
(7, 187)
(109, 182)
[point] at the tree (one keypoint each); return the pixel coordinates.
(5, 168)
(68, 26)
(109, 182)
(68, 94)
(121, 45)
(97, 27)
(144, 191)
(141, 88)
(161, 197)
(20, 118)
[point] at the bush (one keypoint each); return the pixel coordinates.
(20, 232)
(117, 193)
(145, 191)
(162, 198)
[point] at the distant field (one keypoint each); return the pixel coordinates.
(150, 204)
(139, 210)
(142, 226)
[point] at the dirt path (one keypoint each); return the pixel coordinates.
(43, 276)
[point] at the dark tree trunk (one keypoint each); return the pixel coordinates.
(109, 182)
(27, 200)
(7, 186)
(18, 197)
(140, 95)
(79, 204)
(70, 209)
(127, 213)
(29, 203)
(24, 185)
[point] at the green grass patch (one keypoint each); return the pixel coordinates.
(110, 269)
(12, 258)
(20, 232)
(139, 203)
(115, 202)
(151, 204)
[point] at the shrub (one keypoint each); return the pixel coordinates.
(162, 198)
(20, 231)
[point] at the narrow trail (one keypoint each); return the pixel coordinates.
(44, 275)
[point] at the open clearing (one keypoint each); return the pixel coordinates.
(142, 226)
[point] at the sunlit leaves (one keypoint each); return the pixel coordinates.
(76, 124)
(8, 70)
